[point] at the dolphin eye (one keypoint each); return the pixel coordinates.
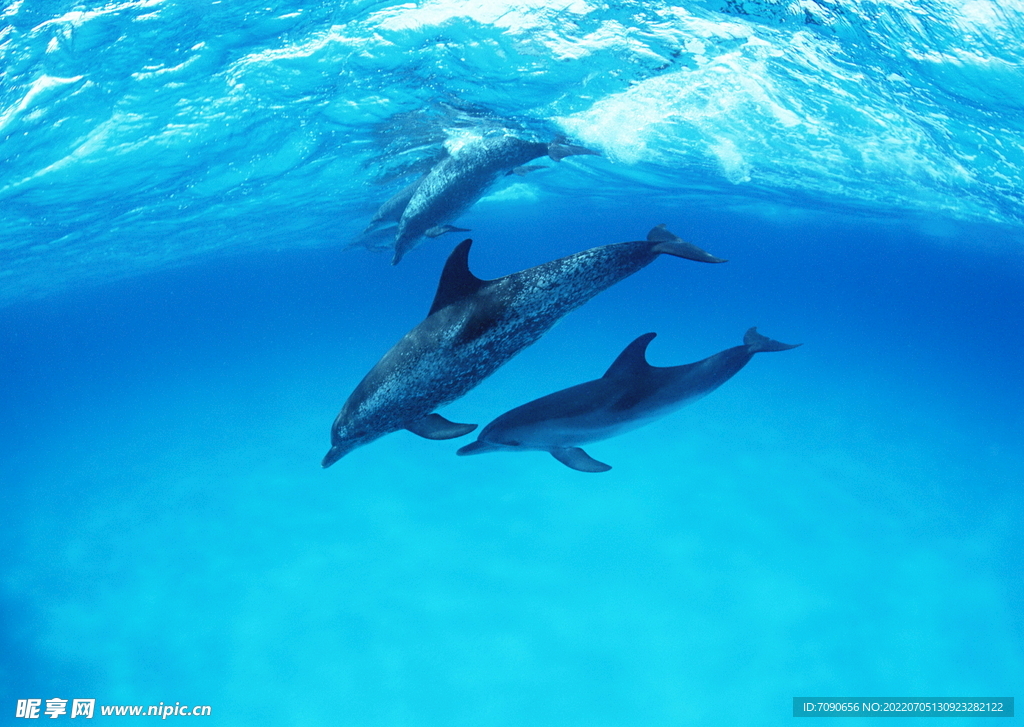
(513, 443)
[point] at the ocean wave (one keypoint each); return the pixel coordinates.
(147, 133)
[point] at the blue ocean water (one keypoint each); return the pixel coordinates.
(182, 315)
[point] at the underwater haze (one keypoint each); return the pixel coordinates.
(187, 300)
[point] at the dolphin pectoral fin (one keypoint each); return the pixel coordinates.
(669, 244)
(756, 343)
(435, 426)
(524, 170)
(477, 447)
(442, 229)
(579, 460)
(559, 151)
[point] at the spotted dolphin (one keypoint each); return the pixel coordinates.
(427, 206)
(473, 327)
(630, 394)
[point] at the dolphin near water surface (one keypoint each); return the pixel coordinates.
(630, 394)
(473, 327)
(427, 206)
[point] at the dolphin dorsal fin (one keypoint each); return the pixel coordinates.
(632, 360)
(456, 281)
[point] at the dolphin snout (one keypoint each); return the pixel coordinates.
(333, 455)
(478, 447)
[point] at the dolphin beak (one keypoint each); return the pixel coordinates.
(477, 447)
(332, 456)
(400, 251)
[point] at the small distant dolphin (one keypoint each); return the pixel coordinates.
(426, 206)
(630, 394)
(473, 327)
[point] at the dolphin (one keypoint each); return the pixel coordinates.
(453, 185)
(630, 394)
(473, 327)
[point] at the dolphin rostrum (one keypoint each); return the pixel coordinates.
(454, 184)
(630, 394)
(473, 327)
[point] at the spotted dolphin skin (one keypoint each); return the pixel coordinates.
(630, 394)
(427, 206)
(473, 327)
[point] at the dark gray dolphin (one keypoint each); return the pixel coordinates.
(630, 394)
(454, 184)
(473, 327)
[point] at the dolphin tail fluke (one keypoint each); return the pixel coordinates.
(558, 150)
(756, 343)
(667, 243)
(435, 426)
(577, 459)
